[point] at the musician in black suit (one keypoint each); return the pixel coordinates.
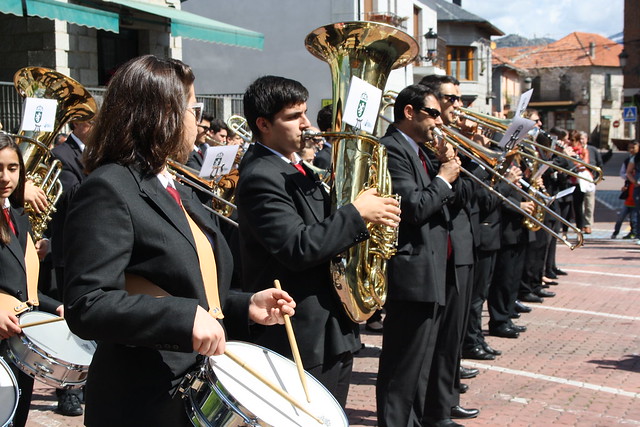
(14, 264)
(417, 274)
(129, 224)
(287, 231)
(196, 155)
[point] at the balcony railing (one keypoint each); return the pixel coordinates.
(387, 18)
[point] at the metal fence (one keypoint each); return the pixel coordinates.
(221, 106)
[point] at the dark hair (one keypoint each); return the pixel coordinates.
(141, 120)
(268, 95)
(17, 197)
(434, 81)
(208, 117)
(325, 118)
(530, 112)
(217, 125)
(561, 133)
(413, 95)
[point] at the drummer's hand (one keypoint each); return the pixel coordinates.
(269, 306)
(42, 248)
(35, 196)
(60, 310)
(9, 325)
(208, 335)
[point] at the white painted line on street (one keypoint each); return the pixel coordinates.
(558, 380)
(604, 273)
(617, 288)
(591, 313)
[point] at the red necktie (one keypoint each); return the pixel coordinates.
(423, 159)
(201, 154)
(174, 194)
(8, 218)
(300, 168)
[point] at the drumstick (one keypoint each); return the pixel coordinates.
(271, 385)
(41, 322)
(294, 348)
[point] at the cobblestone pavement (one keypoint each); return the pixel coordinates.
(578, 364)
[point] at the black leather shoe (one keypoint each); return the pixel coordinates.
(463, 388)
(442, 423)
(468, 373)
(560, 272)
(69, 405)
(515, 315)
(504, 331)
(518, 328)
(545, 294)
(551, 276)
(477, 353)
(521, 308)
(491, 350)
(458, 412)
(530, 297)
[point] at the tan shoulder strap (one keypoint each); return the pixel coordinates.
(33, 271)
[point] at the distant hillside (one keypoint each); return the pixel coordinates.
(513, 40)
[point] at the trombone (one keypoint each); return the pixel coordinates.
(489, 126)
(238, 125)
(189, 176)
(497, 161)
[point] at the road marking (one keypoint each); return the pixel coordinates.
(592, 313)
(603, 273)
(617, 288)
(558, 380)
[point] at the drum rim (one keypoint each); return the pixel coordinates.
(16, 390)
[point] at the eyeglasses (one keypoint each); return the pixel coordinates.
(452, 98)
(318, 140)
(197, 109)
(431, 111)
(205, 129)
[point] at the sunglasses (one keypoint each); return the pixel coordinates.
(197, 109)
(452, 98)
(431, 111)
(205, 129)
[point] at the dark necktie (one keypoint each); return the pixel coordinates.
(9, 222)
(201, 153)
(300, 168)
(174, 194)
(423, 159)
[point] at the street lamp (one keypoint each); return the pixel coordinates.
(623, 58)
(431, 39)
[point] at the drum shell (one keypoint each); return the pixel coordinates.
(9, 394)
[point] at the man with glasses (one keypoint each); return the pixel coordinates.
(417, 274)
(196, 156)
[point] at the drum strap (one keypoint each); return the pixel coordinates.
(32, 262)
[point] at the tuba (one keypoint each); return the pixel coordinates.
(369, 51)
(74, 103)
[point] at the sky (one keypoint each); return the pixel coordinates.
(550, 18)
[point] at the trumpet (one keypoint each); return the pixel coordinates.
(460, 142)
(490, 126)
(189, 176)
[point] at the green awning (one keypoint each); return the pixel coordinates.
(192, 26)
(76, 14)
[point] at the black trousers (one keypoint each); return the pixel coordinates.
(335, 375)
(504, 286)
(408, 343)
(534, 263)
(483, 272)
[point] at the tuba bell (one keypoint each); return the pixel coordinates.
(369, 51)
(74, 102)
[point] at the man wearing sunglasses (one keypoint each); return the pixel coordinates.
(196, 157)
(418, 273)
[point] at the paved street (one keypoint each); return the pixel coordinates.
(578, 363)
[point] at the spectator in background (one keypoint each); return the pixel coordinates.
(633, 174)
(594, 158)
(628, 207)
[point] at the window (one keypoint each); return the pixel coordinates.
(460, 61)
(565, 88)
(607, 88)
(564, 119)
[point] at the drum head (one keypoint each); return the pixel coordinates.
(8, 393)
(266, 404)
(57, 340)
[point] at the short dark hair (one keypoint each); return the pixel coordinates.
(208, 117)
(268, 95)
(325, 118)
(434, 81)
(561, 133)
(142, 116)
(17, 197)
(217, 125)
(413, 95)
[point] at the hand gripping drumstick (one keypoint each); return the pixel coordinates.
(294, 347)
(271, 385)
(41, 322)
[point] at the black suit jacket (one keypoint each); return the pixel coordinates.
(13, 270)
(195, 160)
(287, 232)
(323, 157)
(418, 270)
(123, 221)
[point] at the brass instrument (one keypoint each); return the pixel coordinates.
(238, 125)
(467, 147)
(534, 191)
(369, 51)
(222, 192)
(489, 126)
(74, 103)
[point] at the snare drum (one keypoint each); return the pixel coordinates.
(224, 394)
(50, 353)
(9, 394)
